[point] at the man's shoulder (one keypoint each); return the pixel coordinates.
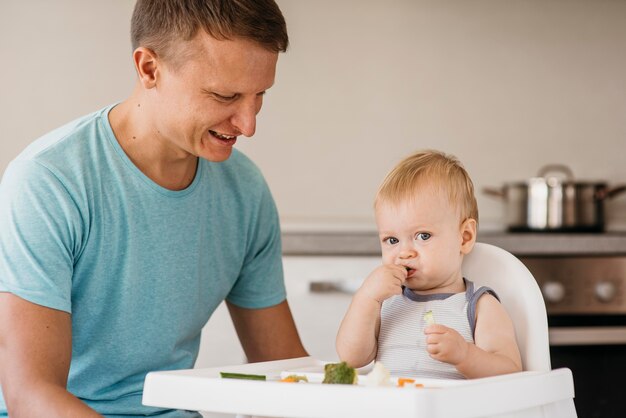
(61, 143)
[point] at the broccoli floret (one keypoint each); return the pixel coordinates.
(340, 373)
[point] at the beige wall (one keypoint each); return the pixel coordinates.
(505, 85)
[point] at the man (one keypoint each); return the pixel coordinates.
(121, 232)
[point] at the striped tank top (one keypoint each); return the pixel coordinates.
(401, 339)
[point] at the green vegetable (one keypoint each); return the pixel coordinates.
(429, 318)
(340, 373)
(226, 375)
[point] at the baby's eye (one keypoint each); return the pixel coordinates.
(392, 240)
(423, 236)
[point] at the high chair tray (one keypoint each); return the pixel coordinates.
(525, 394)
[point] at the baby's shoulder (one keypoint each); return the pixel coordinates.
(488, 304)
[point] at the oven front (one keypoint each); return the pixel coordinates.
(586, 304)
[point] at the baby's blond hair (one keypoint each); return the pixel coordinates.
(437, 170)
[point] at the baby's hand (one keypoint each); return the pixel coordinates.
(384, 282)
(445, 344)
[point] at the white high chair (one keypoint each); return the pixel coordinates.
(520, 295)
(538, 392)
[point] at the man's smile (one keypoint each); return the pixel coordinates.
(222, 136)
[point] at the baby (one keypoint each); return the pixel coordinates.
(427, 217)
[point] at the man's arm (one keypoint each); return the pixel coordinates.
(35, 353)
(268, 333)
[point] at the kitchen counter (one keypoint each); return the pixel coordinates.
(521, 244)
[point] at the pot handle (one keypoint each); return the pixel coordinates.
(556, 168)
(493, 192)
(610, 193)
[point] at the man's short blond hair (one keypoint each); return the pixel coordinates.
(164, 26)
(435, 170)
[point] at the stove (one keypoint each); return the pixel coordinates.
(576, 285)
(585, 300)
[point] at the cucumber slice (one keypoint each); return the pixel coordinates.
(226, 375)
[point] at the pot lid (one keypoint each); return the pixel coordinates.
(555, 175)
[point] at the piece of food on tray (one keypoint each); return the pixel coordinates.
(294, 378)
(379, 376)
(404, 382)
(340, 373)
(429, 318)
(226, 375)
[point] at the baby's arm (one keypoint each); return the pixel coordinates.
(495, 350)
(358, 334)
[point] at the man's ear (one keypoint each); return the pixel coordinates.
(146, 66)
(468, 235)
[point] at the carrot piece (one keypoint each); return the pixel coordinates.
(419, 385)
(403, 380)
(294, 378)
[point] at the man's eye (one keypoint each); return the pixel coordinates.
(224, 98)
(392, 240)
(423, 236)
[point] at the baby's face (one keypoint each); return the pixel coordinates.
(425, 235)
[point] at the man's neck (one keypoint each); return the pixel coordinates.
(170, 168)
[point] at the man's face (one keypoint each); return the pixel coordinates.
(201, 107)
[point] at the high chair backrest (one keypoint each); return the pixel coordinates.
(520, 295)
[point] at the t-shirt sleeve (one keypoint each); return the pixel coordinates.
(39, 235)
(261, 283)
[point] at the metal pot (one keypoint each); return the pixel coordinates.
(554, 202)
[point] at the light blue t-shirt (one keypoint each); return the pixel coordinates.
(140, 268)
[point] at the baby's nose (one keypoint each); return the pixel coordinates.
(407, 253)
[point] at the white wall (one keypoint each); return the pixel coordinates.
(506, 85)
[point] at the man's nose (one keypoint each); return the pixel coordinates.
(244, 118)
